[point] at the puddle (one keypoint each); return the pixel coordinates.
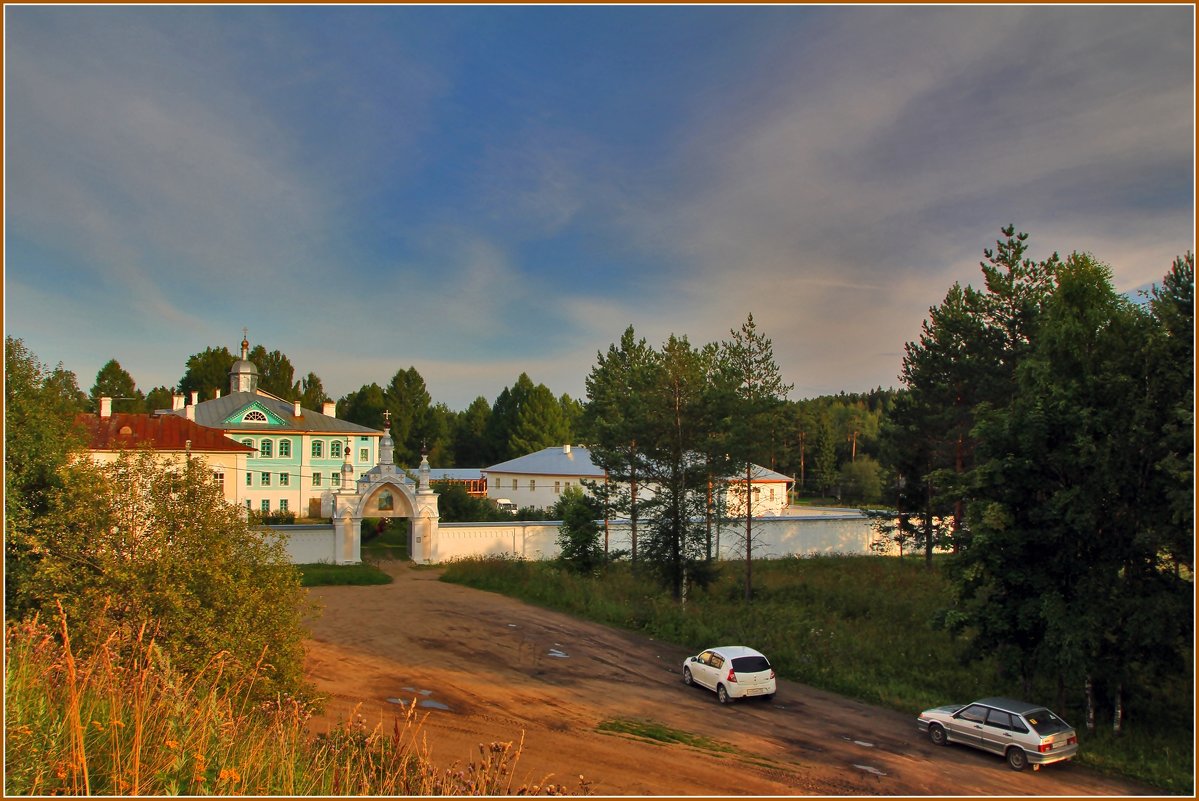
(426, 703)
(554, 652)
(869, 769)
(412, 690)
(862, 743)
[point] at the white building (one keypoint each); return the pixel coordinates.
(539, 479)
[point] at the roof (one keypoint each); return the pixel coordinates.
(215, 412)
(1010, 705)
(559, 460)
(455, 474)
(165, 432)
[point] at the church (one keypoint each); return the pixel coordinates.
(298, 455)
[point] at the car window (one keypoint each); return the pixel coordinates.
(706, 657)
(973, 713)
(751, 664)
(1045, 722)
(717, 660)
(1000, 720)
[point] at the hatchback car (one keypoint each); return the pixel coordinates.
(1025, 734)
(732, 671)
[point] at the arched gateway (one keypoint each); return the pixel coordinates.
(383, 491)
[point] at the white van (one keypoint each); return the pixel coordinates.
(506, 505)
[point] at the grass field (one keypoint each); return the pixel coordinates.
(863, 626)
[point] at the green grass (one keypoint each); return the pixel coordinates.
(862, 626)
(327, 575)
(658, 733)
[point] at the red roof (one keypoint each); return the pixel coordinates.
(166, 432)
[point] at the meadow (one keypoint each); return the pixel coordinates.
(867, 627)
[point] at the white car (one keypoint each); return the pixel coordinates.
(1024, 734)
(731, 671)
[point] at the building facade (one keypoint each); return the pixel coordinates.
(299, 455)
(539, 479)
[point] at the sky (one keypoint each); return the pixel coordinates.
(484, 191)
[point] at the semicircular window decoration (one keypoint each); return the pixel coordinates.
(254, 417)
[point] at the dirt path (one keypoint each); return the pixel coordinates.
(485, 668)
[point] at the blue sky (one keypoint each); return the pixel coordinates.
(484, 191)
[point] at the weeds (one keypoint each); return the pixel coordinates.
(122, 721)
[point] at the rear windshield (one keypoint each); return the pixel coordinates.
(751, 664)
(1045, 722)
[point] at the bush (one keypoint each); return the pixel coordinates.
(144, 544)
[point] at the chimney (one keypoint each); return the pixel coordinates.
(106, 407)
(329, 409)
(296, 411)
(176, 403)
(195, 397)
(566, 449)
(190, 412)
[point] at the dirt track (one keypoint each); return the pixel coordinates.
(485, 668)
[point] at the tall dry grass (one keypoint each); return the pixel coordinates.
(121, 721)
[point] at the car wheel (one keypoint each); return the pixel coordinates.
(937, 734)
(722, 695)
(1016, 758)
(687, 677)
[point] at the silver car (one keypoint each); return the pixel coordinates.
(732, 671)
(1025, 734)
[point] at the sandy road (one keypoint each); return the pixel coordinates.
(484, 668)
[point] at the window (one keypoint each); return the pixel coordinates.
(568, 485)
(772, 493)
(515, 483)
(285, 449)
(557, 487)
(318, 449)
(248, 507)
(265, 450)
(335, 449)
(335, 479)
(219, 478)
(283, 505)
(249, 479)
(973, 713)
(532, 485)
(249, 443)
(1000, 720)
(284, 479)
(254, 417)
(316, 479)
(364, 454)
(266, 479)
(266, 507)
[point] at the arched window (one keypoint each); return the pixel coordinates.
(335, 449)
(318, 449)
(285, 449)
(254, 417)
(266, 449)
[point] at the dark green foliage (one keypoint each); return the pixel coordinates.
(579, 534)
(275, 373)
(158, 398)
(207, 372)
(144, 543)
(326, 575)
(311, 392)
(456, 505)
(113, 382)
(39, 432)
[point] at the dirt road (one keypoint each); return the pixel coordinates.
(485, 668)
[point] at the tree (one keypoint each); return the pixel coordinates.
(159, 398)
(39, 433)
(365, 406)
(207, 372)
(616, 423)
(408, 401)
(578, 536)
(311, 392)
(1065, 573)
(144, 543)
(760, 393)
(113, 382)
(540, 423)
(275, 373)
(470, 435)
(861, 480)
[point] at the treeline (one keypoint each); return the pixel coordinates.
(829, 445)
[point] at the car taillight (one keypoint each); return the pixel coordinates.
(1072, 741)
(732, 675)
(772, 673)
(1044, 747)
